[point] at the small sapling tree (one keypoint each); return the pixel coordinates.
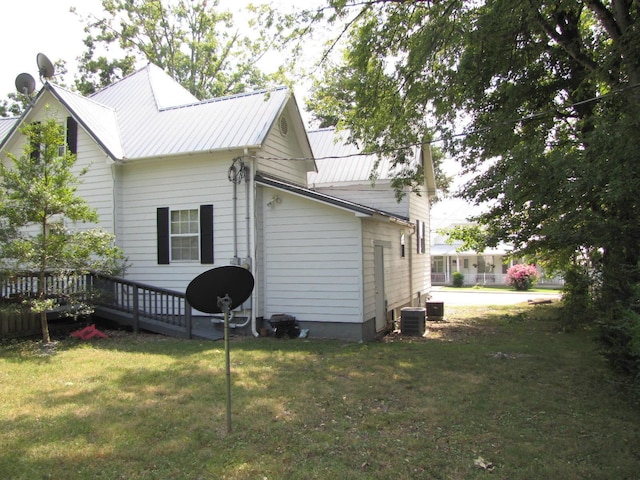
(46, 224)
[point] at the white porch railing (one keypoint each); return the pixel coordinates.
(487, 279)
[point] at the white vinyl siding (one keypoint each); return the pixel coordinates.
(419, 209)
(287, 147)
(380, 196)
(178, 185)
(396, 268)
(312, 260)
(98, 184)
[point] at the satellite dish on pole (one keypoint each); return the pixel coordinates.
(25, 84)
(45, 67)
(220, 290)
(206, 290)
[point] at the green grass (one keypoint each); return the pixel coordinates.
(501, 384)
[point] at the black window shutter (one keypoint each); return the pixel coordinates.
(72, 135)
(162, 220)
(206, 234)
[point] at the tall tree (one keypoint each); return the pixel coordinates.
(41, 217)
(193, 41)
(549, 92)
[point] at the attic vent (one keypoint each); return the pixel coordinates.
(284, 126)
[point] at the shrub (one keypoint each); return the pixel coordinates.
(458, 279)
(620, 336)
(522, 277)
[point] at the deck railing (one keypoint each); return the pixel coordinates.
(144, 302)
(438, 278)
(26, 285)
(138, 305)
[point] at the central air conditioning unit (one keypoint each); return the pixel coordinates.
(412, 321)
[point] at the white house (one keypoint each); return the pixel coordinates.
(188, 185)
(488, 267)
(485, 268)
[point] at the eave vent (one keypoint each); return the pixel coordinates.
(283, 126)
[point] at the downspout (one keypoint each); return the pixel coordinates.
(251, 237)
(234, 215)
(411, 268)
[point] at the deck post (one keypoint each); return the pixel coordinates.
(187, 318)
(135, 309)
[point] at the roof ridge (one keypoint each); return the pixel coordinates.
(226, 98)
(106, 87)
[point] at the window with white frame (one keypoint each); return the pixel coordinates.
(184, 235)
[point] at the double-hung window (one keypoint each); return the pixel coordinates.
(185, 235)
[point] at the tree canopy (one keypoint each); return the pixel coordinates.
(539, 99)
(195, 42)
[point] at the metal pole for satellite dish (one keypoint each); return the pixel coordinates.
(225, 303)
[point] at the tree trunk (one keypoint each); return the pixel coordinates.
(46, 338)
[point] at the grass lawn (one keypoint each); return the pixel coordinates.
(489, 393)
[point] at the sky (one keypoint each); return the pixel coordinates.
(30, 27)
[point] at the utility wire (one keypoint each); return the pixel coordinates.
(455, 135)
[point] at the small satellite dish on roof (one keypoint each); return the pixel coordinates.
(25, 84)
(45, 67)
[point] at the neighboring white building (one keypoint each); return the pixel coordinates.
(188, 185)
(488, 267)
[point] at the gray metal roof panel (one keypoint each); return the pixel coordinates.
(6, 124)
(339, 161)
(100, 121)
(152, 127)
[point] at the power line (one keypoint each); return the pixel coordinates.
(381, 153)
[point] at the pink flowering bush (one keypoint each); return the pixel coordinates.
(522, 277)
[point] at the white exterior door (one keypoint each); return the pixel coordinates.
(378, 271)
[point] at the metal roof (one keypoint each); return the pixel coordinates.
(148, 114)
(97, 119)
(340, 161)
(6, 124)
(158, 117)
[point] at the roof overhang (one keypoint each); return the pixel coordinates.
(358, 210)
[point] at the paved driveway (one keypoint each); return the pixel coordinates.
(500, 297)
